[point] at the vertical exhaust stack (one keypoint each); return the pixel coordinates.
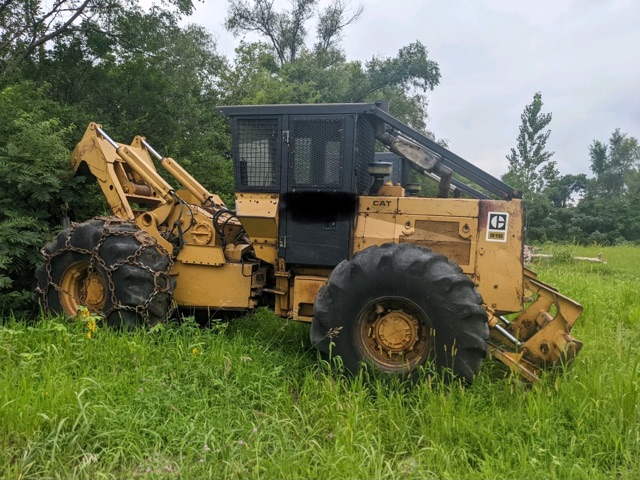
(378, 170)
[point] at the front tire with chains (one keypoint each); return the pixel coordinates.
(111, 267)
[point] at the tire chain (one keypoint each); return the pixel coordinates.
(145, 241)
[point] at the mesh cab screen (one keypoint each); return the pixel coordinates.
(365, 154)
(257, 153)
(316, 152)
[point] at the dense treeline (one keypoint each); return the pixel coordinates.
(603, 209)
(137, 70)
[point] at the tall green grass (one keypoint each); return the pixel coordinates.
(252, 400)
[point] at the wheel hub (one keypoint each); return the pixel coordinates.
(396, 331)
(82, 286)
(92, 294)
(393, 333)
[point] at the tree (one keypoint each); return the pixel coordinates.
(530, 165)
(26, 26)
(305, 73)
(531, 169)
(612, 163)
(169, 96)
(112, 78)
(300, 71)
(561, 189)
(331, 23)
(36, 184)
(286, 31)
(609, 213)
(138, 71)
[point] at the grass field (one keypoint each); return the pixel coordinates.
(251, 400)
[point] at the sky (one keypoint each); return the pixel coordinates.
(494, 55)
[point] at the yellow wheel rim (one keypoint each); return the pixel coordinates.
(81, 287)
(394, 334)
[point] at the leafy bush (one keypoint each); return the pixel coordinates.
(37, 186)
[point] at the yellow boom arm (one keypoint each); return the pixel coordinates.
(126, 174)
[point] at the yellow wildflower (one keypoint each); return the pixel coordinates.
(195, 352)
(88, 334)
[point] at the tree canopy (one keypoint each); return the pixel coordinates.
(137, 69)
(27, 26)
(530, 165)
(286, 31)
(613, 163)
(574, 208)
(286, 66)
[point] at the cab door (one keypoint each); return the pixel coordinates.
(317, 206)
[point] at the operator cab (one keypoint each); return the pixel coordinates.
(315, 157)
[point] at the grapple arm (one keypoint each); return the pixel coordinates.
(540, 337)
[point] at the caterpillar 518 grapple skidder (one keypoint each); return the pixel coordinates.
(321, 232)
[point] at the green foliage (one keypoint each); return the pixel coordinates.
(138, 71)
(574, 208)
(283, 68)
(531, 169)
(530, 165)
(608, 210)
(612, 163)
(28, 27)
(256, 78)
(126, 89)
(561, 189)
(410, 68)
(184, 68)
(609, 213)
(253, 401)
(37, 186)
(286, 30)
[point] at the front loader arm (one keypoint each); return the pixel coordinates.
(204, 197)
(124, 173)
(135, 191)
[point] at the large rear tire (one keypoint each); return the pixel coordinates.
(112, 268)
(397, 307)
